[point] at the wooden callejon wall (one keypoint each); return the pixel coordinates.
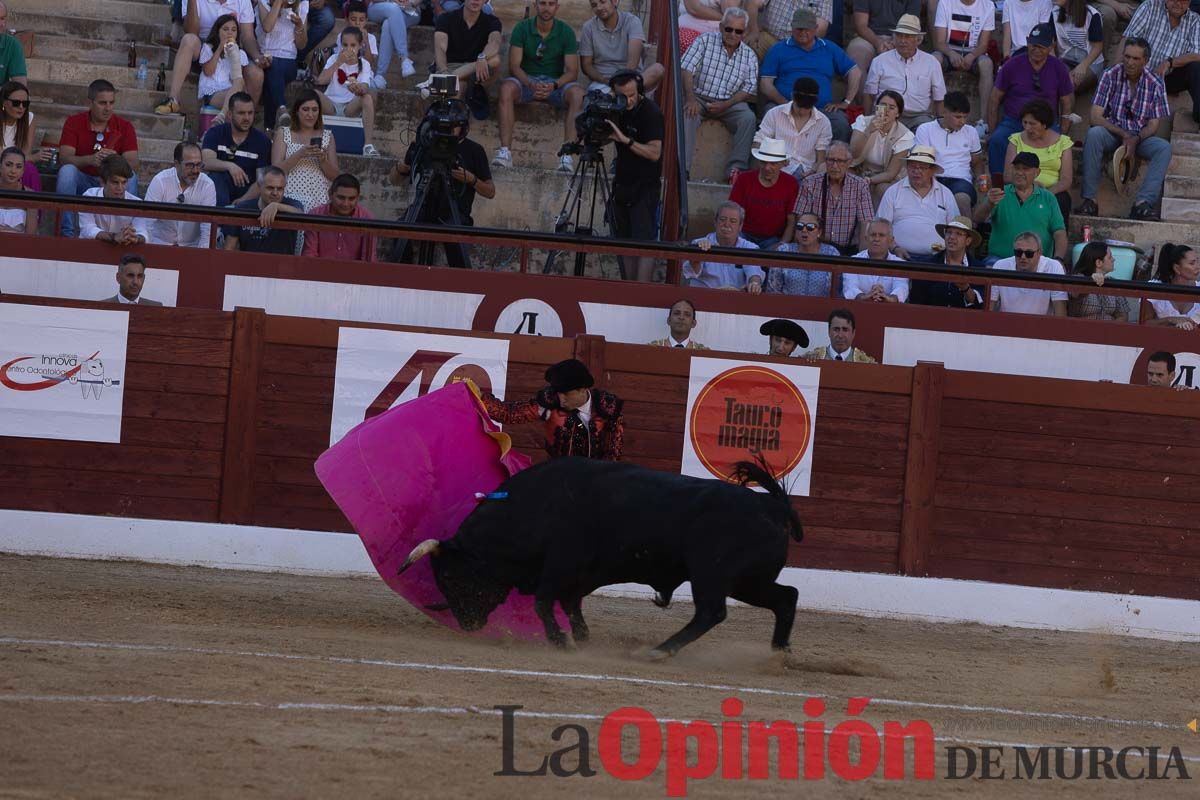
(169, 463)
(916, 471)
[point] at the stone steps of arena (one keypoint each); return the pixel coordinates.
(101, 52)
(116, 21)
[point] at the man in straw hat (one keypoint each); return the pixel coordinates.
(1128, 110)
(915, 74)
(768, 194)
(917, 204)
(874, 21)
(784, 337)
(961, 240)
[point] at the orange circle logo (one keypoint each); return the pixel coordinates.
(749, 411)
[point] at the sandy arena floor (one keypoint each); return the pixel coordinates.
(133, 680)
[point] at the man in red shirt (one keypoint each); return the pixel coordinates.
(768, 195)
(87, 139)
(346, 245)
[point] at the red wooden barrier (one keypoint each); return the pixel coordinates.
(919, 471)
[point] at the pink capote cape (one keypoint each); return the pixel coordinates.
(412, 473)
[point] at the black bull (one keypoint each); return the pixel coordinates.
(568, 526)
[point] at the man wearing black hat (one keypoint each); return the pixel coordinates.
(636, 183)
(785, 337)
(579, 420)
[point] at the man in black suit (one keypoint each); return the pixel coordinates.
(131, 276)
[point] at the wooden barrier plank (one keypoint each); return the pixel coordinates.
(850, 433)
(110, 458)
(291, 471)
(179, 350)
(183, 407)
(857, 515)
(1069, 505)
(190, 322)
(282, 495)
(920, 474)
(300, 518)
(16, 479)
(172, 379)
(1058, 578)
(829, 558)
(822, 537)
(1067, 421)
(1096, 557)
(184, 435)
(1068, 532)
(1161, 484)
(237, 475)
(1079, 395)
(113, 504)
(1073, 451)
(290, 443)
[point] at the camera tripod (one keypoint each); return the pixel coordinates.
(435, 175)
(571, 219)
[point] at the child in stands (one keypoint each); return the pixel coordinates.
(347, 81)
(221, 62)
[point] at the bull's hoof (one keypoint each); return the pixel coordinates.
(658, 655)
(660, 601)
(782, 648)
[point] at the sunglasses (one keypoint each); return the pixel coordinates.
(807, 226)
(738, 31)
(1024, 253)
(19, 103)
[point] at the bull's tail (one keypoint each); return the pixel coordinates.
(758, 471)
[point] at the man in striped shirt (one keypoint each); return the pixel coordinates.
(720, 77)
(1173, 32)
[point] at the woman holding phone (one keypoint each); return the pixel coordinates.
(306, 152)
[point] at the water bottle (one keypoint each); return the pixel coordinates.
(143, 74)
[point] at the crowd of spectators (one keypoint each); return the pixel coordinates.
(900, 168)
(894, 169)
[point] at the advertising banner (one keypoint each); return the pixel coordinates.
(62, 372)
(377, 370)
(740, 410)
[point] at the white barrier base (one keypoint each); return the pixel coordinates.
(864, 594)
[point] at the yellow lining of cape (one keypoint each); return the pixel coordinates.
(502, 438)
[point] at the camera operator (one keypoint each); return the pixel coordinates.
(637, 183)
(469, 175)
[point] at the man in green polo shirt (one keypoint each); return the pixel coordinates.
(12, 56)
(543, 65)
(1023, 206)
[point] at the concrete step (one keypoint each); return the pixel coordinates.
(57, 71)
(128, 99)
(109, 29)
(50, 119)
(1185, 144)
(98, 51)
(1182, 186)
(1183, 165)
(123, 10)
(1142, 233)
(1181, 209)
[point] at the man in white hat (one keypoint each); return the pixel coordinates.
(873, 24)
(915, 74)
(768, 194)
(917, 204)
(961, 239)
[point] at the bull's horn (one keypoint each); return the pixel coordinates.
(420, 551)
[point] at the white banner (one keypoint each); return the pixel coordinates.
(75, 280)
(62, 372)
(737, 333)
(377, 370)
(739, 410)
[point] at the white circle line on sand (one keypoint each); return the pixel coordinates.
(389, 708)
(582, 676)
